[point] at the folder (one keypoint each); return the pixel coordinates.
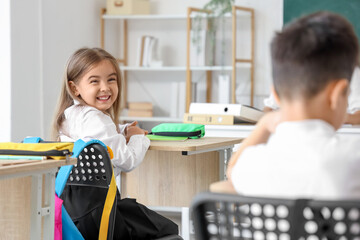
(240, 112)
(209, 119)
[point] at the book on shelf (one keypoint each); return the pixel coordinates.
(146, 51)
(140, 113)
(174, 100)
(140, 106)
(145, 59)
(242, 113)
(139, 54)
(224, 86)
(177, 100)
(140, 109)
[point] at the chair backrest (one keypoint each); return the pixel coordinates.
(93, 168)
(88, 183)
(226, 216)
(331, 220)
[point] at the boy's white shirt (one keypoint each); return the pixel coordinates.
(301, 159)
(354, 97)
(82, 122)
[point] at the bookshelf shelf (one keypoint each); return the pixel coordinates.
(159, 16)
(143, 17)
(219, 68)
(151, 119)
(183, 68)
(168, 68)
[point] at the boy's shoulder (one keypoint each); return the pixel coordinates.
(302, 137)
(315, 137)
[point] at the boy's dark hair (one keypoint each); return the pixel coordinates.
(311, 52)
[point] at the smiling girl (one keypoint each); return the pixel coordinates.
(89, 108)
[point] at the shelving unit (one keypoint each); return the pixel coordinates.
(124, 60)
(187, 68)
(235, 61)
(183, 68)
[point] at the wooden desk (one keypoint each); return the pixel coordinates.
(174, 171)
(27, 198)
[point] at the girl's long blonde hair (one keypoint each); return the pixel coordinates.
(79, 64)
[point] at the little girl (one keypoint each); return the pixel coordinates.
(89, 107)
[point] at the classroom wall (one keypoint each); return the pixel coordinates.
(25, 69)
(45, 32)
(5, 96)
(67, 26)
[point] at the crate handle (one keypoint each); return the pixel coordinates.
(119, 3)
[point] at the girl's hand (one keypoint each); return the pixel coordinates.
(134, 123)
(132, 129)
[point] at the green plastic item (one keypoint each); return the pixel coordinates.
(165, 138)
(184, 130)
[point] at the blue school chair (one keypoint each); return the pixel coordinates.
(90, 193)
(227, 216)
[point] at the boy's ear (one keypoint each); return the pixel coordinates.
(276, 96)
(73, 88)
(339, 90)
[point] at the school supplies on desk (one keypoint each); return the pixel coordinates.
(167, 138)
(21, 157)
(176, 131)
(241, 113)
(53, 150)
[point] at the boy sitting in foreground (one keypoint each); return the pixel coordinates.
(313, 60)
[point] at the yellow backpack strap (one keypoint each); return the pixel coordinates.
(109, 202)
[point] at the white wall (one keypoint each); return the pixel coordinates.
(26, 101)
(67, 26)
(268, 19)
(45, 32)
(5, 76)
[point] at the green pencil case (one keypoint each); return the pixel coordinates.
(170, 131)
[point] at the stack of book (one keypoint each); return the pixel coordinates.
(221, 114)
(140, 109)
(146, 52)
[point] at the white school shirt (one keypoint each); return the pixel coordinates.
(301, 159)
(83, 122)
(354, 97)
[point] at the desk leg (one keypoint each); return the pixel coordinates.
(185, 223)
(37, 211)
(224, 157)
(49, 208)
(36, 190)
